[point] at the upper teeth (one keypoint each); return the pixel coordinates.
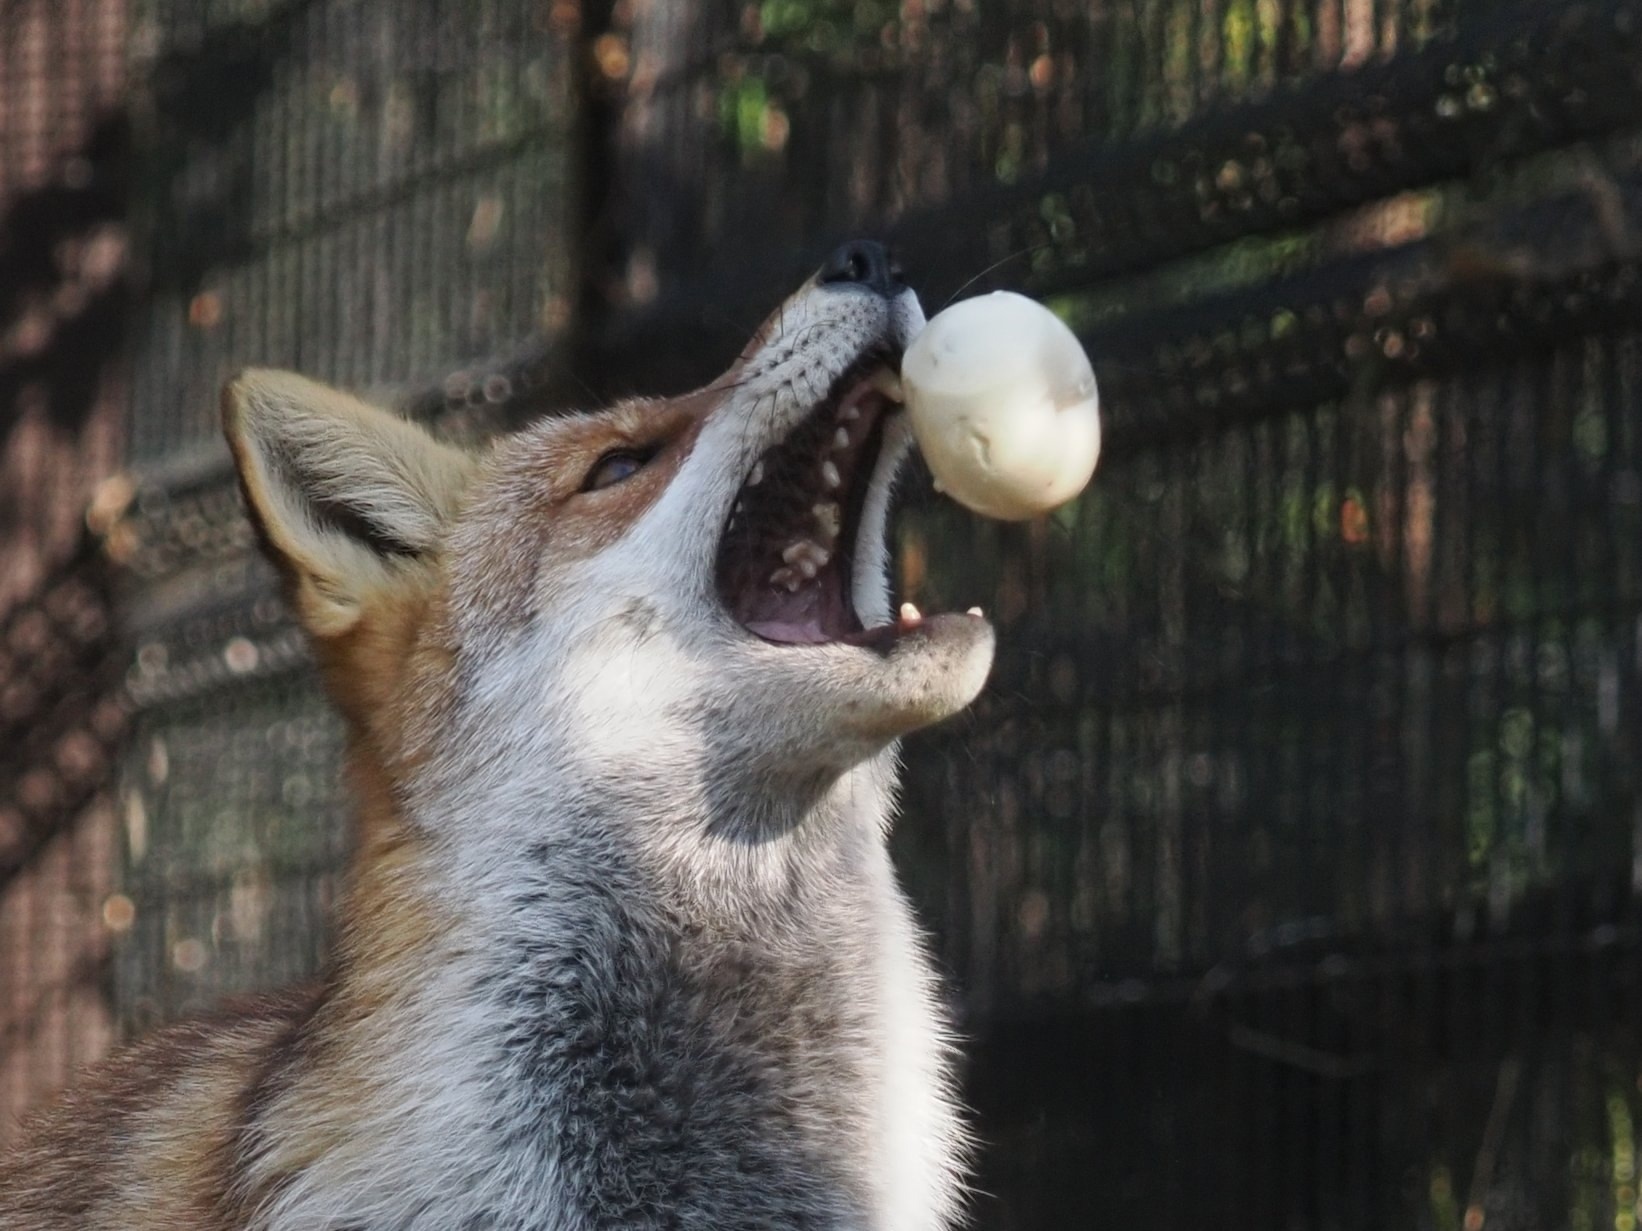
(829, 517)
(805, 550)
(803, 559)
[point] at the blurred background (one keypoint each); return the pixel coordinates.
(1287, 876)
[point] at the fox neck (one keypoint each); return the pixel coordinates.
(611, 1016)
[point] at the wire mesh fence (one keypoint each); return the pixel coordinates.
(1288, 872)
(62, 259)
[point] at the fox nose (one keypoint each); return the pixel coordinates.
(866, 263)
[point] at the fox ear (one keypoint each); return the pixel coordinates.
(346, 495)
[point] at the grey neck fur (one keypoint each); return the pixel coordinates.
(733, 1028)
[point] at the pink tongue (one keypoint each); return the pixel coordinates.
(787, 632)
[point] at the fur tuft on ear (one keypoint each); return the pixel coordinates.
(345, 494)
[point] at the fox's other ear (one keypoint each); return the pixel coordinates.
(346, 494)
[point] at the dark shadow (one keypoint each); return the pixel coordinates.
(63, 287)
(197, 169)
(66, 284)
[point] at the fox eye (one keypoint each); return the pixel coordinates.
(613, 467)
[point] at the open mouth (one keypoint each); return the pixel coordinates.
(786, 559)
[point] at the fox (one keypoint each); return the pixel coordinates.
(620, 943)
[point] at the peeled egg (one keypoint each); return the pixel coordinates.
(1003, 403)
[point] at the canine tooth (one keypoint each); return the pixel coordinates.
(829, 517)
(841, 439)
(909, 614)
(976, 611)
(757, 476)
(849, 414)
(830, 476)
(888, 384)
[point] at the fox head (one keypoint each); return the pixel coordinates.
(687, 596)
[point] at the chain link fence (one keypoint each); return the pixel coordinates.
(1287, 874)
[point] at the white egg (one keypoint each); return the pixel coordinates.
(1004, 405)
